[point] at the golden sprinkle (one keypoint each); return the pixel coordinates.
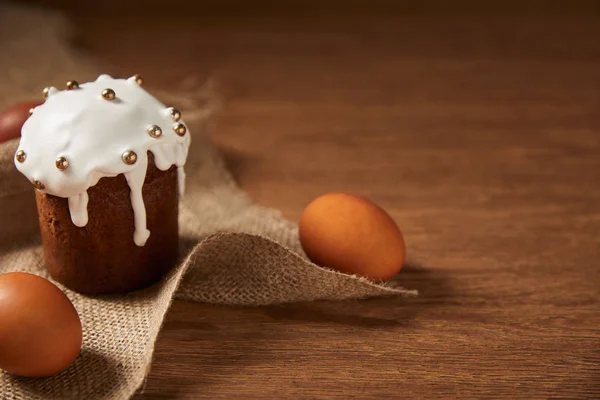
(45, 92)
(138, 79)
(179, 129)
(31, 111)
(108, 94)
(129, 157)
(62, 163)
(21, 156)
(38, 185)
(72, 85)
(154, 131)
(175, 113)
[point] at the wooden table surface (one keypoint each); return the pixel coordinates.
(480, 134)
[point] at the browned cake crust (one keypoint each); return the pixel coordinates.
(102, 257)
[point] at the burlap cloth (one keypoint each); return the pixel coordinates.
(235, 252)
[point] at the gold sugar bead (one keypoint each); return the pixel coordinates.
(38, 185)
(129, 157)
(108, 94)
(62, 163)
(72, 85)
(31, 111)
(45, 92)
(179, 129)
(154, 131)
(138, 79)
(175, 114)
(21, 156)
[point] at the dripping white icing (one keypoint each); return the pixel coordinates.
(135, 179)
(92, 134)
(181, 180)
(78, 208)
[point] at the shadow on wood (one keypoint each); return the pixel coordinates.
(433, 287)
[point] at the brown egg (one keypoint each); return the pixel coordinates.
(353, 235)
(12, 119)
(40, 331)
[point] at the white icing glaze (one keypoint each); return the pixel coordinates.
(135, 179)
(181, 180)
(92, 134)
(78, 208)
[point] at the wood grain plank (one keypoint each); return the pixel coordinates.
(480, 135)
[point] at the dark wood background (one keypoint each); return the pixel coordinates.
(476, 127)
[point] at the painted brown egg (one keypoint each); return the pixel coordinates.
(40, 330)
(353, 235)
(12, 119)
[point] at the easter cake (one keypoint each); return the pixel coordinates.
(107, 161)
